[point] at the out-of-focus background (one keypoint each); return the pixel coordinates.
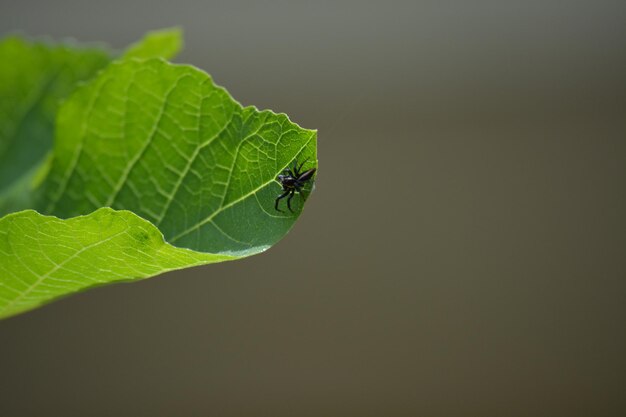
(464, 253)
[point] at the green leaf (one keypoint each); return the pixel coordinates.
(44, 257)
(167, 144)
(164, 142)
(165, 43)
(34, 78)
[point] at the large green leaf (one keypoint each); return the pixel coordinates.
(34, 77)
(164, 142)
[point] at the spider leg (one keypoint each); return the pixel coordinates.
(283, 195)
(293, 192)
(299, 168)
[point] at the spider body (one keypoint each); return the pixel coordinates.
(292, 181)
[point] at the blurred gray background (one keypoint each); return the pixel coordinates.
(464, 253)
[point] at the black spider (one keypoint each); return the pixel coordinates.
(292, 182)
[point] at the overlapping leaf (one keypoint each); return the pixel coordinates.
(35, 76)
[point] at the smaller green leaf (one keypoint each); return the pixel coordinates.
(44, 257)
(165, 43)
(34, 77)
